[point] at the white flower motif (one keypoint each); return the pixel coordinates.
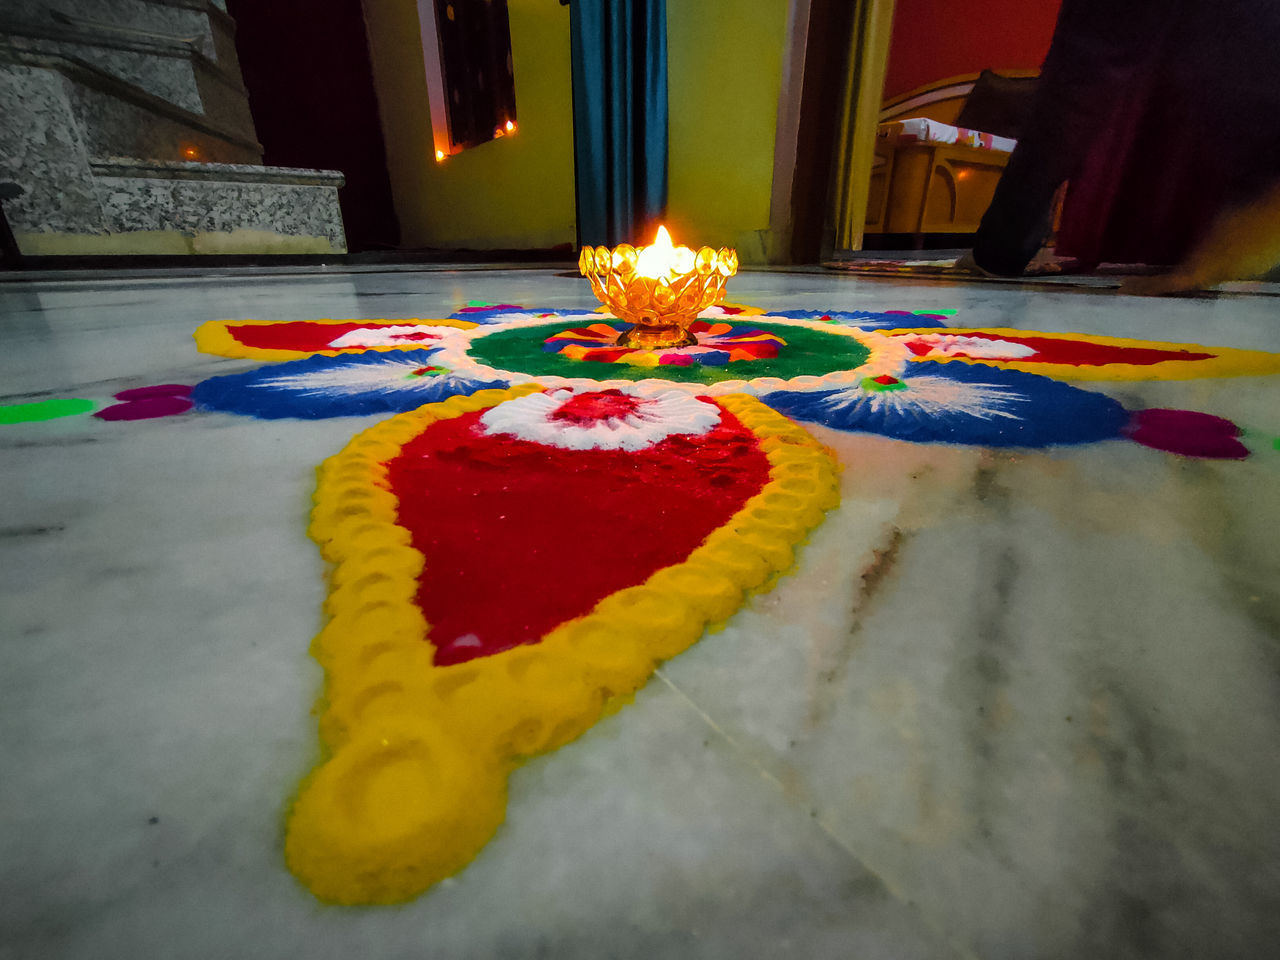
(933, 397)
(978, 348)
(390, 372)
(400, 335)
(612, 419)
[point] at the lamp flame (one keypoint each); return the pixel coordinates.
(663, 260)
(657, 260)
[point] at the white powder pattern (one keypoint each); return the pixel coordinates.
(661, 414)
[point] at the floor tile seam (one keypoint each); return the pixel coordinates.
(960, 950)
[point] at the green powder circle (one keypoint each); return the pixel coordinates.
(44, 409)
(807, 353)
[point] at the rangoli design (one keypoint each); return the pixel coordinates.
(437, 686)
(448, 661)
(718, 344)
(285, 340)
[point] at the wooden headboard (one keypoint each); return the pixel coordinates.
(940, 100)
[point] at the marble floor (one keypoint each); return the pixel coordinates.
(1010, 704)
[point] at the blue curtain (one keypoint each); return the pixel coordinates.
(619, 52)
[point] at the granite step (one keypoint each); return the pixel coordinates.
(218, 208)
(148, 207)
(117, 118)
(128, 131)
(77, 201)
(191, 69)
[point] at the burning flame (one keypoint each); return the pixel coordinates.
(662, 260)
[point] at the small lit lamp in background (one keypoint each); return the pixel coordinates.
(505, 129)
(190, 151)
(660, 289)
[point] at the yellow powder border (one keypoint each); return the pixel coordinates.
(413, 781)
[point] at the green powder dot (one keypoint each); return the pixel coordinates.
(44, 409)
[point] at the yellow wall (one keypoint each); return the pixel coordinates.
(516, 192)
(724, 76)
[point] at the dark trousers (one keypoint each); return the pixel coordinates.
(1100, 48)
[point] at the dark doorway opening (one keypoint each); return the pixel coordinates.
(307, 68)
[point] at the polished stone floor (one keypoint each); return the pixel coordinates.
(1010, 704)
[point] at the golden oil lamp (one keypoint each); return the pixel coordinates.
(659, 289)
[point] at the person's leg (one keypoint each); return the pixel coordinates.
(1098, 47)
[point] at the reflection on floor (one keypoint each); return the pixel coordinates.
(941, 265)
(1010, 704)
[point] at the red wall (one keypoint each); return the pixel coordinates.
(934, 39)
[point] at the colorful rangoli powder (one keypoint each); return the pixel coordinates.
(805, 351)
(413, 782)
(486, 536)
(149, 403)
(44, 410)
(1188, 433)
(1065, 351)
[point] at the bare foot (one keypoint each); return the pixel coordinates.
(1043, 264)
(966, 264)
(1046, 263)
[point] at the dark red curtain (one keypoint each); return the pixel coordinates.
(1196, 131)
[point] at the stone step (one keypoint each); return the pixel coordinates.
(155, 207)
(111, 117)
(196, 21)
(127, 130)
(171, 68)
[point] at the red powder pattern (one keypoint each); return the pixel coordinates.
(520, 537)
(307, 336)
(588, 408)
(1080, 353)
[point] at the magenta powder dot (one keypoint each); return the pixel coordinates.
(146, 409)
(1187, 433)
(160, 390)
